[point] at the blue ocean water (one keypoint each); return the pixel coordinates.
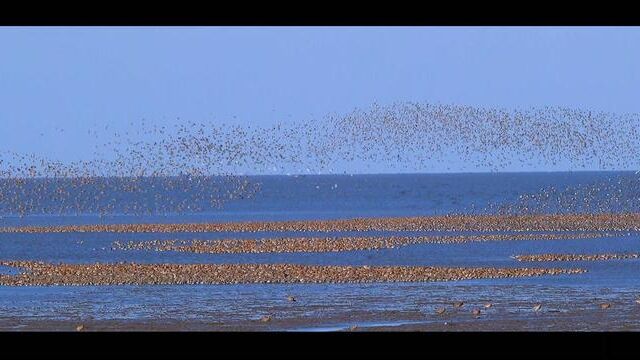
(322, 197)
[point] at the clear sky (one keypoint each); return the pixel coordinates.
(57, 83)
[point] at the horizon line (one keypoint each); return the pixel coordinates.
(338, 174)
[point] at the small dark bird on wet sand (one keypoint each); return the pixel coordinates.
(291, 298)
(440, 311)
(79, 327)
(266, 318)
(537, 307)
(458, 304)
(476, 312)
(605, 306)
(488, 305)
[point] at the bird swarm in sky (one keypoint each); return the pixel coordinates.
(192, 166)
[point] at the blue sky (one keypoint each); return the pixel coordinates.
(57, 83)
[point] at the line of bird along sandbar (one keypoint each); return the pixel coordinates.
(43, 274)
(546, 222)
(331, 244)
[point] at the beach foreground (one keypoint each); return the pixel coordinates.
(576, 312)
(427, 273)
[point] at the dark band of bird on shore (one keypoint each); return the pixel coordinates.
(46, 274)
(328, 244)
(576, 257)
(542, 222)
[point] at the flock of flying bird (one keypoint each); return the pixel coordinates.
(615, 194)
(192, 166)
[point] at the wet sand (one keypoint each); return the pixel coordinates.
(40, 273)
(583, 317)
(575, 222)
